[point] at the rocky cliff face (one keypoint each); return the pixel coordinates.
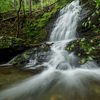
(89, 20)
(88, 29)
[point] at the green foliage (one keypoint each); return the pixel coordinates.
(86, 46)
(79, 54)
(97, 3)
(83, 39)
(6, 5)
(34, 30)
(14, 62)
(83, 60)
(89, 23)
(94, 26)
(97, 31)
(85, 49)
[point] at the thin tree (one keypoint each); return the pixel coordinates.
(49, 2)
(18, 22)
(30, 8)
(15, 5)
(42, 5)
(23, 4)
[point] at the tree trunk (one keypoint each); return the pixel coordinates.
(30, 8)
(42, 4)
(15, 5)
(23, 4)
(49, 2)
(18, 22)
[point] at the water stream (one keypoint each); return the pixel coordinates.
(64, 78)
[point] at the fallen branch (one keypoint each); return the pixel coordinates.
(37, 45)
(9, 18)
(14, 22)
(51, 4)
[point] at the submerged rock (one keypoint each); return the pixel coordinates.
(10, 47)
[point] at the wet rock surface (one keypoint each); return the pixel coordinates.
(89, 30)
(37, 55)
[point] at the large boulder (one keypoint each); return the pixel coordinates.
(38, 54)
(10, 47)
(86, 49)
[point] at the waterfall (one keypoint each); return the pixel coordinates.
(64, 79)
(66, 24)
(63, 32)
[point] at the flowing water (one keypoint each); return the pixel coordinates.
(64, 78)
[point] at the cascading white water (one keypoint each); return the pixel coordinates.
(71, 83)
(66, 24)
(63, 32)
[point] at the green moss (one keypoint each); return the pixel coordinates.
(46, 48)
(41, 36)
(14, 62)
(27, 54)
(5, 42)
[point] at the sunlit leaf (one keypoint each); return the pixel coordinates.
(88, 52)
(83, 39)
(94, 26)
(85, 24)
(97, 11)
(79, 54)
(90, 58)
(91, 41)
(83, 61)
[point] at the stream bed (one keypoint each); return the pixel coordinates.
(11, 75)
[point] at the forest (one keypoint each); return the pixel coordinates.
(26, 18)
(49, 49)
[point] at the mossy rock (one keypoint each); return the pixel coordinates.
(10, 47)
(5, 42)
(8, 42)
(86, 49)
(40, 53)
